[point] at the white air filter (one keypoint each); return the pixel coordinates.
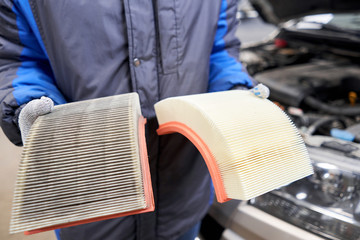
(85, 161)
(250, 146)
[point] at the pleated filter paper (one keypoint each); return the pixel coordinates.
(85, 161)
(249, 144)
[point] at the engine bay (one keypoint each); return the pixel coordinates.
(320, 91)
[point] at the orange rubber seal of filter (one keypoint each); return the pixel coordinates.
(172, 127)
(148, 192)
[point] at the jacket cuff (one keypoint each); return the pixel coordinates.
(10, 126)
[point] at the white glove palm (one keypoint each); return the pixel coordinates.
(260, 91)
(31, 111)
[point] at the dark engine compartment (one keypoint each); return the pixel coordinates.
(318, 86)
(328, 81)
(310, 82)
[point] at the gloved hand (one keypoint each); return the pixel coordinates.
(31, 111)
(260, 91)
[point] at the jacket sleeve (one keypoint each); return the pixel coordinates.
(225, 69)
(25, 72)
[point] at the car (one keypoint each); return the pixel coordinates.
(312, 68)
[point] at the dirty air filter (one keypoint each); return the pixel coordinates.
(249, 145)
(85, 161)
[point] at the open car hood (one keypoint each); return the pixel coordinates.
(278, 11)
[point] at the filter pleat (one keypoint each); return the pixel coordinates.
(69, 169)
(82, 161)
(249, 144)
